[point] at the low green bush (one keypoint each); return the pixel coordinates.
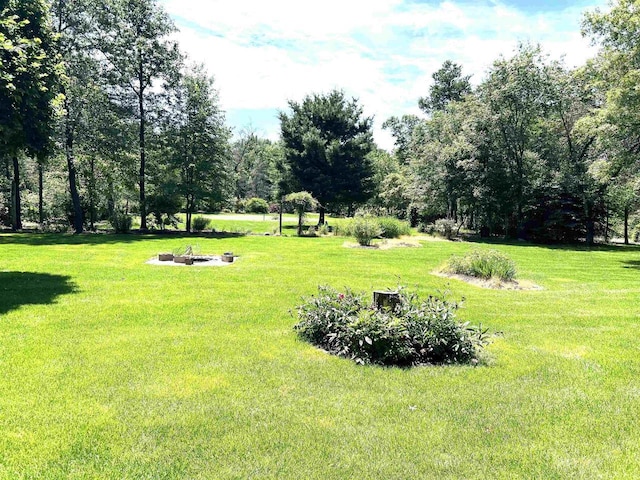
(484, 264)
(365, 229)
(121, 222)
(393, 228)
(416, 332)
(445, 227)
(428, 228)
(200, 223)
(256, 205)
(344, 228)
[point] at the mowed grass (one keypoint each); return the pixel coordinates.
(112, 368)
(243, 223)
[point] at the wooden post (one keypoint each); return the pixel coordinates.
(384, 300)
(281, 207)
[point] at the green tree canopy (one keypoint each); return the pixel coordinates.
(326, 142)
(449, 85)
(618, 67)
(301, 202)
(200, 142)
(138, 51)
(29, 77)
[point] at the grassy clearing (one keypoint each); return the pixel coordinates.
(111, 368)
(257, 224)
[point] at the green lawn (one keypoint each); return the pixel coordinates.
(256, 224)
(111, 368)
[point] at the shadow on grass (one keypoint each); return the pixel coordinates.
(24, 288)
(37, 239)
(635, 264)
(577, 247)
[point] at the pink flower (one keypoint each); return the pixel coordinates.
(341, 296)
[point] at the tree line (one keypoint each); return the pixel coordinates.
(102, 115)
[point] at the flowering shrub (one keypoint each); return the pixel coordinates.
(416, 332)
(445, 227)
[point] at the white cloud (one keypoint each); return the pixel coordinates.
(381, 51)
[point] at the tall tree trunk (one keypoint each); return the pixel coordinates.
(143, 202)
(92, 194)
(590, 223)
(626, 225)
(7, 174)
(78, 221)
(40, 188)
(590, 232)
(321, 215)
(16, 215)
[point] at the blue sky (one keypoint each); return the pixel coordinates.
(383, 52)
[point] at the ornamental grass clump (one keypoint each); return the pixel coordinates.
(485, 264)
(393, 228)
(365, 229)
(416, 332)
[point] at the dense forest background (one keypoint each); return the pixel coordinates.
(103, 117)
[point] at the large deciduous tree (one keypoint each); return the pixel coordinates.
(617, 31)
(201, 142)
(327, 141)
(139, 56)
(254, 165)
(402, 129)
(28, 84)
(72, 23)
(516, 94)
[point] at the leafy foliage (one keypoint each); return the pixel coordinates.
(256, 205)
(484, 264)
(445, 227)
(135, 43)
(418, 331)
(200, 142)
(121, 221)
(326, 143)
(200, 223)
(392, 227)
(29, 78)
(449, 85)
(495, 159)
(301, 202)
(255, 164)
(368, 227)
(365, 229)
